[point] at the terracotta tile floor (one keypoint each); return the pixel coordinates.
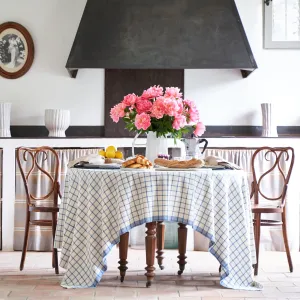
(200, 280)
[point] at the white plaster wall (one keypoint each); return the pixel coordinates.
(53, 25)
(224, 98)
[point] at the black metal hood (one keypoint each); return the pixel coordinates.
(161, 34)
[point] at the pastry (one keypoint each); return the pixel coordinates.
(138, 162)
(135, 166)
(183, 164)
(144, 167)
(129, 162)
(143, 161)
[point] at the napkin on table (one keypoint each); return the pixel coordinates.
(216, 160)
(94, 159)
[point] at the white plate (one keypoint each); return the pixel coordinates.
(180, 169)
(132, 169)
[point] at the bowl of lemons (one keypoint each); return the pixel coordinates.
(111, 152)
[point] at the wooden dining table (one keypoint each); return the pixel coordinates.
(99, 206)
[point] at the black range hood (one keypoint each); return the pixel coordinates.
(161, 34)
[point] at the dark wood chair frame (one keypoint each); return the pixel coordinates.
(278, 154)
(34, 154)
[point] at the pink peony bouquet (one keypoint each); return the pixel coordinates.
(163, 112)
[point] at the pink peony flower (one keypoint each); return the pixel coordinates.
(117, 112)
(158, 108)
(171, 106)
(173, 92)
(152, 92)
(142, 121)
(180, 105)
(143, 105)
(200, 129)
(192, 111)
(193, 115)
(179, 122)
(189, 103)
(130, 99)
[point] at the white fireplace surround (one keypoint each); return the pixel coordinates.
(8, 188)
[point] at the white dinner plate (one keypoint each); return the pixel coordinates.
(136, 170)
(180, 169)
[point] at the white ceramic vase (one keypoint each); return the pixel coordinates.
(5, 109)
(155, 145)
(57, 122)
(268, 121)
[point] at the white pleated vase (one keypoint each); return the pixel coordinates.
(155, 145)
(5, 109)
(269, 127)
(57, 121)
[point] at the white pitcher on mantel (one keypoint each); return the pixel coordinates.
(268, 121)
(154, 145)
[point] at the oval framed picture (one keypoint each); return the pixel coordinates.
(16, 50)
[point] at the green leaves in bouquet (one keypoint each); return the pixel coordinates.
(129, 120)
(163, 127)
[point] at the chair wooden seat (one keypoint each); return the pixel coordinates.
(44, 209)
(37, 157)
(265, 209)
(275, 156)
(41, 222)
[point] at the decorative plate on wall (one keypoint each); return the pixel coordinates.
(16, 50)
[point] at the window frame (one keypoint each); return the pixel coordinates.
(268, 42)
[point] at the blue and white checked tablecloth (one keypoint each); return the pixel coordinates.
(98, 206)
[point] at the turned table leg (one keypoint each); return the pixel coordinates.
(150, 242)
(182, 238)
(123, 250)
(160, 236)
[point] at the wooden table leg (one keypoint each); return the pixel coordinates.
(160, 236)
(123, 250)
(150, 242)
(182, 238)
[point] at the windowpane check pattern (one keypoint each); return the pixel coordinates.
(98, 206)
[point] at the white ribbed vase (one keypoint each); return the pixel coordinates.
(268, 121)
(57, 122)
(5, 109)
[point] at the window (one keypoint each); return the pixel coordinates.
(282, 24)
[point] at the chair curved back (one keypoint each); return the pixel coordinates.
(37, 156)
(276, 157)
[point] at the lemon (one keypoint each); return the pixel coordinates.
(119, 154)
(111, 148)
(110, 154)
(102, 153)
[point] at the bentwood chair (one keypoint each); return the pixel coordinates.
(276, 157)
(36, 157)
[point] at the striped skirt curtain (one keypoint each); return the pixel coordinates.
(40, 238)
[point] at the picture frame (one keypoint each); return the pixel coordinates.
(16, 50)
